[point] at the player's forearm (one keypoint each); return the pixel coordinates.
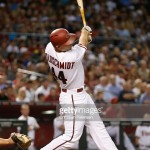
(136, 140)
(37, 127)
(5, 141)
(84, 38)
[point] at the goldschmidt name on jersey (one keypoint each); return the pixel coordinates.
(61, 65)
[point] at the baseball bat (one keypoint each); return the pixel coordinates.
(81, 8)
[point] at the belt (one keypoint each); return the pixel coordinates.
(145, 146)
(78, 90)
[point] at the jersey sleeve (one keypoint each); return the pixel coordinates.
(36, 125)
(49, 47)
(138, 132)
(79, 51)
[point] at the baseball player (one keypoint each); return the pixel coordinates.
(65, 62)
(32, 123)
(142, 135)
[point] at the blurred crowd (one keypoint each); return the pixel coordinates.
(116, 62)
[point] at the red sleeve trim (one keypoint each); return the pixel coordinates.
(82, 46)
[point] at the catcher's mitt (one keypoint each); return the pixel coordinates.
(22, 141)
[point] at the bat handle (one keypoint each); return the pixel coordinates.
(83, 18)
(84, 22)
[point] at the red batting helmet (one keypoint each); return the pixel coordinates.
(61, 36)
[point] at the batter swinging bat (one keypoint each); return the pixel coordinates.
(80, 4)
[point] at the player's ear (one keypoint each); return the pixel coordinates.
(58, 46)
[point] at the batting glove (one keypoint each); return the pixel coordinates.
(87, 28)
(90, 39)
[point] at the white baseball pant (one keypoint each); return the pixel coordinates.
(74, 128)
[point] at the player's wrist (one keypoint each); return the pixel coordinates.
(83, 31)
(10, 141)
(87, 28)
(89, 38)
(84, 38)
(31, 128)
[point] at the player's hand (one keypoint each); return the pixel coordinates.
(89, 38)
(85, 37)
(21, 140)
(87, 28)
(30, 128)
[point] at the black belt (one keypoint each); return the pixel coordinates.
(144, 146)
(78, 90)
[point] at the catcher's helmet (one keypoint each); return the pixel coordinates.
(61, 36)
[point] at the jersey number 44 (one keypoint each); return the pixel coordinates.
(60, 76)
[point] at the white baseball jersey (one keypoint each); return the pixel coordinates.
(31, 121)
(67, 70)
(143, 133)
